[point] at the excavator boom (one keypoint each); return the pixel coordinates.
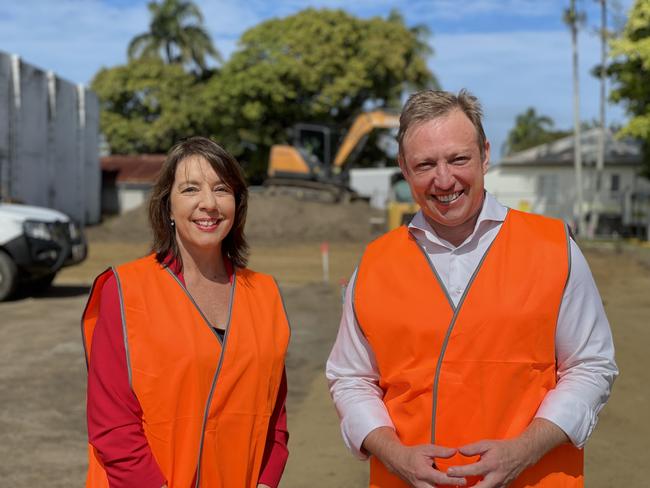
(361, 127)
(299, 169)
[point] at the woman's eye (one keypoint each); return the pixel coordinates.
(221, 189)
(188, 189)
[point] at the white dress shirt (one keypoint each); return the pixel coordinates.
(583, 342)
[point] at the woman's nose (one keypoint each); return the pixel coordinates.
(208, 200)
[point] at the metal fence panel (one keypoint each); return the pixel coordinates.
(49, 141)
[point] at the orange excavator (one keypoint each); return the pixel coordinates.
(312, 167)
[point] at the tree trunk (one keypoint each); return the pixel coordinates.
(596, 205)
(577, 150)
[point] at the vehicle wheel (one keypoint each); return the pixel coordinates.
(8, 276)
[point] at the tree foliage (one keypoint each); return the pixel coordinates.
(630, 72)
(530, 130)
(147, 106)
(315, 66)
(175, 35)
(321, 66)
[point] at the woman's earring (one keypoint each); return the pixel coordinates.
(173, 223)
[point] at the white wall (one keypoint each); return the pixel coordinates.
(373, 183)
(49, 136)
(130, 197)
(518, 187)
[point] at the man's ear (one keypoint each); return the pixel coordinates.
(486, 159)
(402, 164)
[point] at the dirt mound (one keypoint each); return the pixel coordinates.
(131, 226)
(271, 219)
(283, 218)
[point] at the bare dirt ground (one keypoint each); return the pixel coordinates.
(42, 370)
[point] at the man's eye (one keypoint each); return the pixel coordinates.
(460, 160)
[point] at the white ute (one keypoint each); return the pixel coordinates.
(35, 243)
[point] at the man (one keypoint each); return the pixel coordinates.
(473, 347)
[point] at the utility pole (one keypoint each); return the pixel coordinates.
(572, 18)
(600, 157)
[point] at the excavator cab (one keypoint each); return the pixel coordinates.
(312, 162)
(315, 139)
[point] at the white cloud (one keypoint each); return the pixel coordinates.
(73, 38)
(512, 71)
(455, 10)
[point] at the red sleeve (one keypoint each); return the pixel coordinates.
(275, 451)
(113, 412)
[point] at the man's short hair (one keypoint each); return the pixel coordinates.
(427, 105)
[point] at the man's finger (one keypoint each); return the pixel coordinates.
(474, 449)
(441, 478)
(488, 482)
(474, 469)
(440, 451)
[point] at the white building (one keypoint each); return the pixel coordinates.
(542, 180)
(49, 141)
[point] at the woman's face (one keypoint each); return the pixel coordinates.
(202, 206)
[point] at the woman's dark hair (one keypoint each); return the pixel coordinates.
(234, 245)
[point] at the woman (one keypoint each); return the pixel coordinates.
(185, 347)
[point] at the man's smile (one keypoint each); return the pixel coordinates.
(448, 198)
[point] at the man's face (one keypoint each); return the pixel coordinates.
(441, 161)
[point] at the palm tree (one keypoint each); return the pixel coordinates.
(573, 18)
(176, 35)
(530, 130)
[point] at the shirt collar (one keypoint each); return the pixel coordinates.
(491, 212)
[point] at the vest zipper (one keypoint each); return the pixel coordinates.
(216, 376)
(219, 364)
(452, 323)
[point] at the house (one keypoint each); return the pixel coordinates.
(542, 180)
(127, 180)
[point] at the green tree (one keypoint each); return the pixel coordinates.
(530, 130)
(630, 72)
(176, 35)
(147, 106)
(317, 66)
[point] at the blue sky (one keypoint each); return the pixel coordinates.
(511, 53)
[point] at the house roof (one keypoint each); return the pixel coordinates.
(617, 151)
(134, 168)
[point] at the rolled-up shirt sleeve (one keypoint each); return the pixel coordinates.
(114, 414)
(586, 369)
(353, 380)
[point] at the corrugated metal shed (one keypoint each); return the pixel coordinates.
(133, 168)
(49, 138)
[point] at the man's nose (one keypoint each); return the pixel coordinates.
(443, 178)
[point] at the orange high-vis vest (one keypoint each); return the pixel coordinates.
(454, 375)
(206, 405)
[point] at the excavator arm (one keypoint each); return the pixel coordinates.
(361, 127)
